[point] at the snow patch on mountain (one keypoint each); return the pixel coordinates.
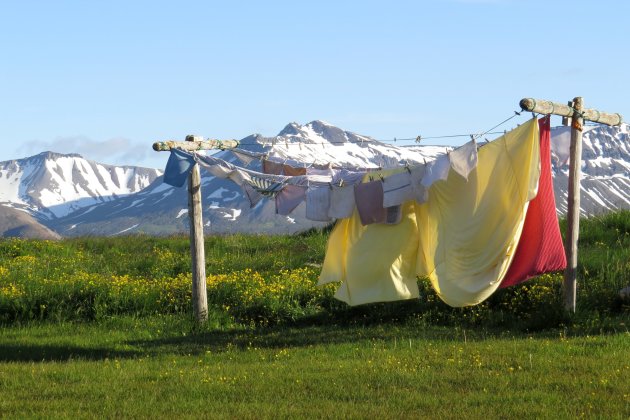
(52, 185)
(605, 183)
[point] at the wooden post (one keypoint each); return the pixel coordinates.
(566, 121)
(576, 112)
(197, 248)
(573, 202)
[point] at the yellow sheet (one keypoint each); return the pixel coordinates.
(463, 238)
(469, 230)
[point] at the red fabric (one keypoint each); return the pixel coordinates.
(540, 248)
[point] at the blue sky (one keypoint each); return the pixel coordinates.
(107, 79)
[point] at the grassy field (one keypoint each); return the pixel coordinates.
(160, 366)
(100, 327)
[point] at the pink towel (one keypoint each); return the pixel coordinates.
(540, 248)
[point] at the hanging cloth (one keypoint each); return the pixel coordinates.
(272, 168)
(293, 171)
(462, 238)
(436, 170)
(375, 263)
(464, 158)
(368, 197)
(469, 229)
(178, 167)
(318, 203)
(289, 198)
(540, 248)
(341, 202)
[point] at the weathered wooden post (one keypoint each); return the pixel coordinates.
(197, 246)
(578, 115)
(573, 206)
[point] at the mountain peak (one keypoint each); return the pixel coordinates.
(291, 129)
(49, 155)
(319, 131)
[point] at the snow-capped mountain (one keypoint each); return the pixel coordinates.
(74, 196)
(605, 183)
(52, 185)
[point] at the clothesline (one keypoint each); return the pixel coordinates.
(461, 235)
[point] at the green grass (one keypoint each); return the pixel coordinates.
(100, 327)
(162, 367)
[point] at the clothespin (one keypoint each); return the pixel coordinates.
(394, 139)
(517, 113)
(425, 160)
(330, 185)
(286, 143)
(418, 139)
(382, 179)
(407, 167)
(341, 182)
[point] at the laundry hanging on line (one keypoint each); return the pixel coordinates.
(411, 183)
(540, 249)
(463, 238)
(419, 243)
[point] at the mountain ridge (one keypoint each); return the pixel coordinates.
(109, 200)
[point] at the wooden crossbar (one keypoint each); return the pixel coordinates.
(552, 108)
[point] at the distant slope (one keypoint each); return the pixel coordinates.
(18, 223)
(605, 183)
(51, 185)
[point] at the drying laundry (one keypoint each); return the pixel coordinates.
(178, 167)
(374, 263)
(540, 247)
(368, 197)
(469, 230)
(318, 203)
(464, 159)
(272, 168)
(341, 202)
(289, 170)
(463, 238)
(419, 191)
(244, 157)
(436, 170)
(289, 198)
(397, 189)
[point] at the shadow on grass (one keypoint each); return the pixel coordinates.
(311, 331)
(50, 353)
(357, 326)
